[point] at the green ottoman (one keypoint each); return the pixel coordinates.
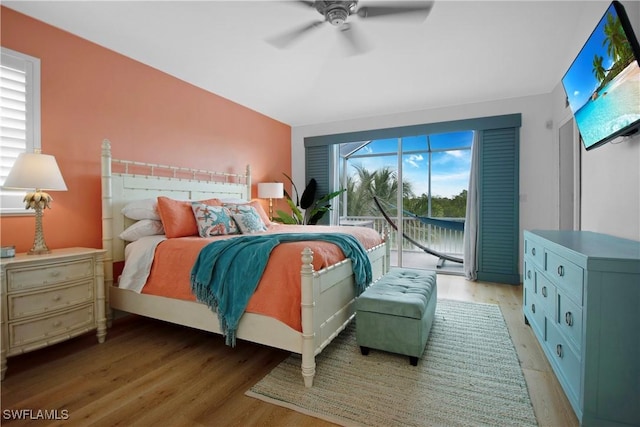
(395, 314)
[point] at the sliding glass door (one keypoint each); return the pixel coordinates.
(413, 178)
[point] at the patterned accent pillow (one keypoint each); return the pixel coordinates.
(238, 208)
(249, 223)
(247, 209)
(213, 220)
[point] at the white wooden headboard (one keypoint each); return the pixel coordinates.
(124, 181)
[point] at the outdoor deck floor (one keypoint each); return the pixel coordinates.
(422, 260)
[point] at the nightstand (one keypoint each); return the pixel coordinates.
(50, 298)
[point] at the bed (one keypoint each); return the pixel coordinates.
(326, 295)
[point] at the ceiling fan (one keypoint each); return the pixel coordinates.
(338, 13)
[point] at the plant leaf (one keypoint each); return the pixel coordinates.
(284, 218)
(309, 194)
(296, 213)
(294, 188)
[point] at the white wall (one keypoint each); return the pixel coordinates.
(610, 174)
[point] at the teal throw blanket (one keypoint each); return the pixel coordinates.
(226, 273)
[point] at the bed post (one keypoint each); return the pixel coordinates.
(107, 224)
(307, 309)
(248, 181)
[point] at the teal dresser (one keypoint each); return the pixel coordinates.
(582, 300)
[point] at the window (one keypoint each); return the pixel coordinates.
(19, 119)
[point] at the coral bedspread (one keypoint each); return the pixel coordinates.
(278, 292)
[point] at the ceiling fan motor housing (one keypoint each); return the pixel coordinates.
(336, 12)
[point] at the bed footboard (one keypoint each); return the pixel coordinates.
(328, 303)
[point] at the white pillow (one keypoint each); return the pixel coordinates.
(142, 209)
(142, 228)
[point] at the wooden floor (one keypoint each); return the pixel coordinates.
(150, 373)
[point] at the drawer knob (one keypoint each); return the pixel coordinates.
(55, 273)
(568, 318)
(544, 291)
(559, 351)
(533, 251)
(529, 274)
(57, 323)
(57, 298)
(560, 271)
(533, 308)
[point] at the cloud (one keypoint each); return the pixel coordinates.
(576, 92)
(414, 159)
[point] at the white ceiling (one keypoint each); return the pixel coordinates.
(464, 52)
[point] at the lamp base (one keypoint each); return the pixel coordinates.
(39, 251)
(39, 246)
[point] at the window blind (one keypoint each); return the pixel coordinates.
(19, 118)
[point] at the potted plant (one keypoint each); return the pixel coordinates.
(306, 210)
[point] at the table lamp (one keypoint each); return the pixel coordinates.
(271, 190)
(36, 172)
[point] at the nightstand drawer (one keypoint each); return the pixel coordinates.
(36, 302)
(566, 275)
(43, 275)
(47, 328)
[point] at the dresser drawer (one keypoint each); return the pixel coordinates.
(47, 328)
(546, 295)
(566, 275)
(26, 304)
(535, 251)
(535, 314)
(570, 320)
(567, 363)
(44, 275)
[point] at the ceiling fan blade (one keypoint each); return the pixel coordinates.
(417, 10)
(303, 3)
(308, 3)
(285, 39)
(355, 41)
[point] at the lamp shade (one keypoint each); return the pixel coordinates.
(271, 190)
(35, 171)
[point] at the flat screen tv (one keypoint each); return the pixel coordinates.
(603, 83)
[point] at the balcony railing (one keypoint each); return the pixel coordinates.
(438, 238)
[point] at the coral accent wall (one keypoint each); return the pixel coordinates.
(89, 93)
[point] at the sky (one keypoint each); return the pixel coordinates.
(450, 168)
(580, 81)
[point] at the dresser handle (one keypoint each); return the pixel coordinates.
(544, 291)
(533, 308)
(568, 317)
(533, 251)
(560, 271)
(559, 350)
(529, 274)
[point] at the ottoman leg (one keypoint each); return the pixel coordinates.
(413, 360)
(364, 350)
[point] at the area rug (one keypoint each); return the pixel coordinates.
(469, 375)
